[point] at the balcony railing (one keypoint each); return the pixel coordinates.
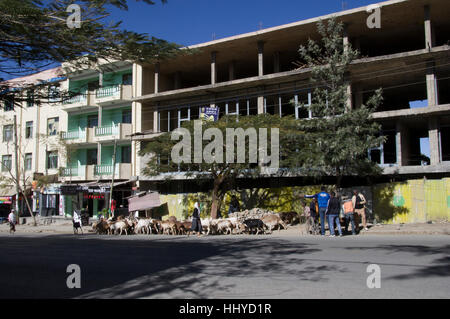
(80, 98)
(70, 171)
(108, 91)
(73, 135)
(107, 130)
(103, 170)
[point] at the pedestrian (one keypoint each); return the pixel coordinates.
(314, 211)
(349, 210)
(322, 200)
(196, 221)
(309, 215)
(76, 222)
(12, 221)
(359, 202)
(333, 209)
(234, 205)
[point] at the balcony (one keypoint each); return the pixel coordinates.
(119, 131)
(113, 94)
(76, 102)
(122, 171)
(78, 173)
(75, 136)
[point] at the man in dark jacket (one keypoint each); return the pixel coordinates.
(333, 209)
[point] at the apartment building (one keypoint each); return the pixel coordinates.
(406, 53)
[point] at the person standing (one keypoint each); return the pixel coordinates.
(349, 210)
(359, 202)
(333, 209)
(322, 199)
(234, 205)
(196, 221)
(12, 222)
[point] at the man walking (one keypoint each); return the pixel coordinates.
(333, 209)
(322, 199)
(349, 210)
(12, 222)
(359, 202)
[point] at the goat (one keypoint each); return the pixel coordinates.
(254, 224)
(272, 221)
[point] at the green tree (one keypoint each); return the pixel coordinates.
(34, 35)
(221, 172)
(337, 138)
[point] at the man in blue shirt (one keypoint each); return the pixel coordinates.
(322, 199)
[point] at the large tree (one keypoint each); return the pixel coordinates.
(224, 165)
(338, 136)
(34, 35)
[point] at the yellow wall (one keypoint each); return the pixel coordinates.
(414, 201)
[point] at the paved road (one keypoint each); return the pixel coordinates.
(139, 266)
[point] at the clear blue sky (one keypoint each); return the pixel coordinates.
(188, 22)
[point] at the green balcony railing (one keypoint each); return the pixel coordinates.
(70, 171)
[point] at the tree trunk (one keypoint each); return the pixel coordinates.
(215, 196)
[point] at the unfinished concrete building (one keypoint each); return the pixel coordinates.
(406, 54)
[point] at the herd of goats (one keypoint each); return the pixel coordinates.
(171, 226)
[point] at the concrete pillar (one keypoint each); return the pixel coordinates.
(260, 104)
(358, 94)
(136, 119)
(100, 115)
(155, 121)
(431, 85)
(213, 67)
(276, 62)
(99, 154)
(345, 39)
(349, 105)
(157, 71)
(177, 80)
(232, 71)
(433, 135)
(402, 147)
(260, 58)
(429, 35)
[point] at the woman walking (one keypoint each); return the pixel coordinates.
(196, 222)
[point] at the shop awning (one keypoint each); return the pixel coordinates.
(144, 202)
(7, 191)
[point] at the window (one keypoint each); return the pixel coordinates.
(28, 161)
(92, 120)
(53, 94)
(126, 116)
(52, 126)
(29, 129)
(7, 133)
(126, 154)
(9, 104)
(30, 98)
(6, 163)
(92, 156)
(127, 79)
(52, 160)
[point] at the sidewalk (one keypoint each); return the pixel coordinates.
(64, 226)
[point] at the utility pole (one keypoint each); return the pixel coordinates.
(113, 173)
(16, 156)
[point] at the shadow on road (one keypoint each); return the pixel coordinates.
(113, 267)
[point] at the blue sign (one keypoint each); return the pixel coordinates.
(209, 113)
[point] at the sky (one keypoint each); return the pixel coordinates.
(189, 22)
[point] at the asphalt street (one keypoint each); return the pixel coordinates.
(140, 266)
